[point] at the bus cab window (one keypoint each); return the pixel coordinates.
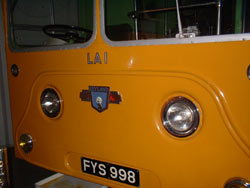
(150, 19)
(49, 22)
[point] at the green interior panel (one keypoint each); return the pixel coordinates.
(117, 16)
(86, 14)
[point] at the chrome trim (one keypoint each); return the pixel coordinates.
(238, 181)
(219, 18)
(49, 48)
(136, 21)
(196, 116)
(198, 39)
(26, 143)
(179, 18)
(135, 13)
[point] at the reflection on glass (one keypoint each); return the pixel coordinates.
(50, 22)
(150, 19)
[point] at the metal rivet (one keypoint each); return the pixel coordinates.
(15, 70)
(26, 143)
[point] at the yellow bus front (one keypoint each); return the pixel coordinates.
(132, 93)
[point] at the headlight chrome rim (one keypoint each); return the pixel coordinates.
(193, 110)
(238, 182)
(26, 143)
(49, 93)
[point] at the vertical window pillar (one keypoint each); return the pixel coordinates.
(238, 16)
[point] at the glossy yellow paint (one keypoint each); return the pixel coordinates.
(212, 75)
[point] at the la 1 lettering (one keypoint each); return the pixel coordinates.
(98, 59)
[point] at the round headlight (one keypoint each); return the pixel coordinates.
(238, 183)
(180, 117)
(50, 102)
(26, 143)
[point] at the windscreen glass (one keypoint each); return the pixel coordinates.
(37, 23)
(150, 19)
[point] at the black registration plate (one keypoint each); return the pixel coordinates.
(110, 171)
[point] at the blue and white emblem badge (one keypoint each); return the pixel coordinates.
(100, 97)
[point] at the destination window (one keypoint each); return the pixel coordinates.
(150, 19)
(39, 23)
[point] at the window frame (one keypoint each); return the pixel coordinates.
(164, 41)
(50, 48)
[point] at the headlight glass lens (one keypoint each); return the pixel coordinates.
(180, 117)
(50, 102)
(26, 143)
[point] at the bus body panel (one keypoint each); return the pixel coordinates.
(131, 134)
